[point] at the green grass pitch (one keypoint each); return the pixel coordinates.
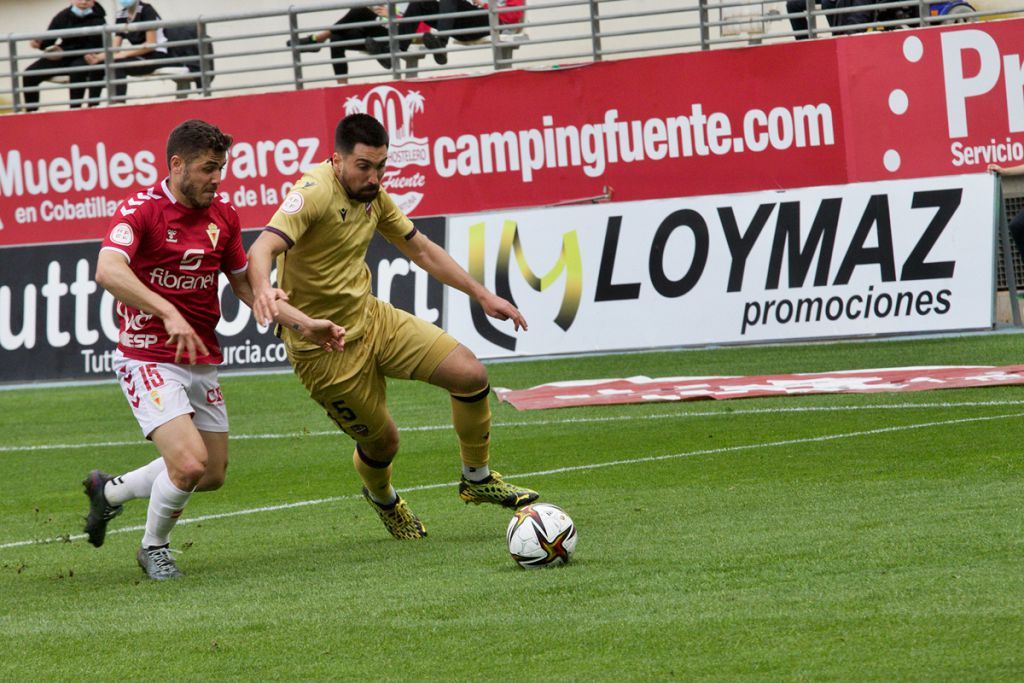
(818, 538)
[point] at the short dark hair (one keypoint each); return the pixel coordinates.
(194, 137)
(359, 128)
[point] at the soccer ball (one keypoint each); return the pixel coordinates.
(541, 535)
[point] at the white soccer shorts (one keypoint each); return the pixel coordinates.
(160, 392)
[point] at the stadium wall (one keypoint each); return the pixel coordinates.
(869, 116)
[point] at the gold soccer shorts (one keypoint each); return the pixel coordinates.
(350, 385)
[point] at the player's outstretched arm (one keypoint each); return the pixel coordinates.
(261, 258)
(324, 333)
(422, 251)
(115, 275)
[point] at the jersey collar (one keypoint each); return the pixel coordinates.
(167, 191)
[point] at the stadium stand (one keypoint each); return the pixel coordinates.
(555, 33)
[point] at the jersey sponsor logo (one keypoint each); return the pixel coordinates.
(133, 321)
(292, 203)
(137, 341)
(344, 213)
(192, 259)
(122, 234)
(308, 183)
(214, 233)
(170, 280)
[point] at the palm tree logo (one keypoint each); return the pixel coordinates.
(396, 110)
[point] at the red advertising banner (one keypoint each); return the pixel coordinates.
(933, 102)
(63, 174)
(905, 104)
(662, 389)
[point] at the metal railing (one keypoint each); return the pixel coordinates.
(261, 51)
(1013, 203)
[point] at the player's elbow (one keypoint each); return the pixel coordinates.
(104, 273)
(102, 278)
(266, 247)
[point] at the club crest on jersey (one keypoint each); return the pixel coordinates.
(214, 232)
(172, 236)
(154, 396)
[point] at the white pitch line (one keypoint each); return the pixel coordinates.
(541, 473)
(542, 423)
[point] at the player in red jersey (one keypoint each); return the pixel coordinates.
(161, 259)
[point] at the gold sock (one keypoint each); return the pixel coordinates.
(376, 476)
(471, 417)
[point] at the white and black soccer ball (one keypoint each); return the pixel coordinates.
(541, 535)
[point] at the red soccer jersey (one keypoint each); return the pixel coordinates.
(179, 253)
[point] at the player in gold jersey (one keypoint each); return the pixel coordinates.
(319, 237)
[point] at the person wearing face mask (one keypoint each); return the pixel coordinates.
(150, 53)
(68, 53)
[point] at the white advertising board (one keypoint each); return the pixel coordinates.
(823, 262)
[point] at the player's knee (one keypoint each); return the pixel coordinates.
(471, 378)
(188, 474)
(474, 384)
(380, 451)
(186, 468)
(386, 447)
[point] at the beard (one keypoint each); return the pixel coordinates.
(197, 195)
(367, 194)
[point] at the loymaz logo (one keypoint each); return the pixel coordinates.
(569, 261)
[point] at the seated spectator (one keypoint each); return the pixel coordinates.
(797, 9)
(850, 17)
(79, 14)
(437, 40)
(141, 60)
(858, 13)
(184, 44)
(347, 35)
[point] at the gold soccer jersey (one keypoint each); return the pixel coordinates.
(324, 272)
